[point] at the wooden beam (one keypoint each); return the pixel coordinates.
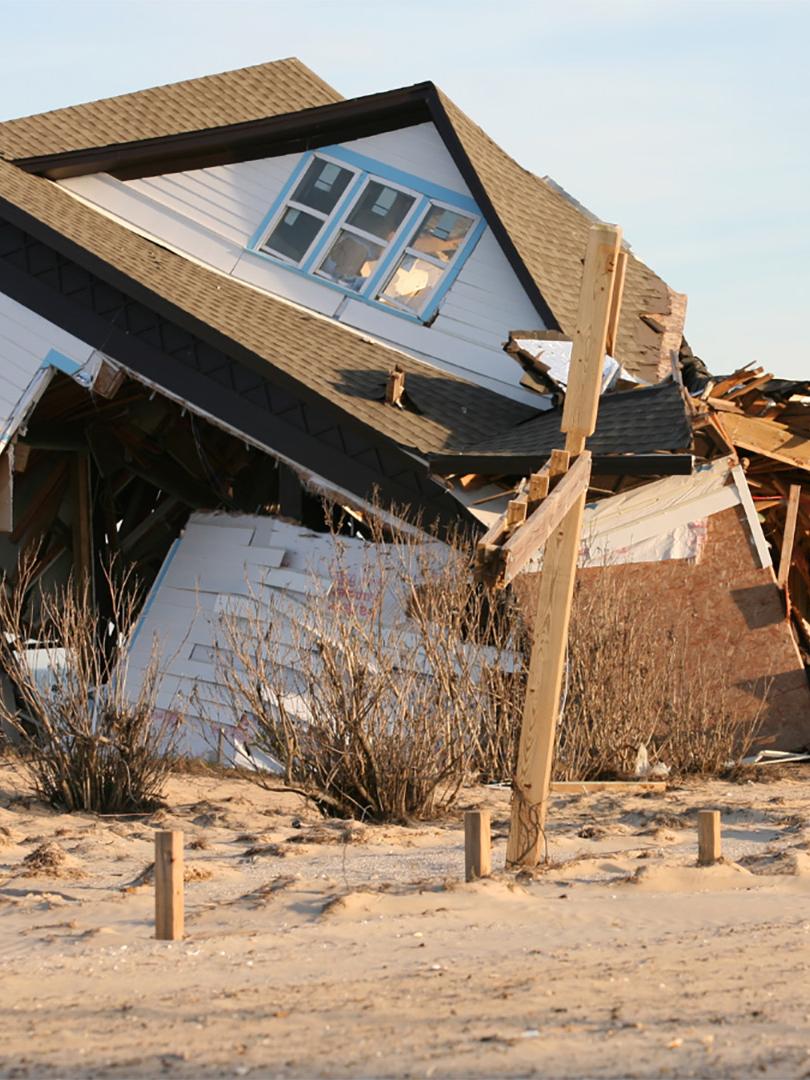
(789, 536)
(616, 304)
(534, 533)
(618, 787)
(81, 517)
(590, 335)
(555, 595)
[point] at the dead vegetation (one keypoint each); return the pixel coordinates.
(631, 686)
(381, 699)
(85, 741)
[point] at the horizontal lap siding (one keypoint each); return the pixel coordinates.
(25, 341)
(212, 214)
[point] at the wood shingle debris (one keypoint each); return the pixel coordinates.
(767, 422)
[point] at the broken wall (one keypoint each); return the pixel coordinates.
(724, 606)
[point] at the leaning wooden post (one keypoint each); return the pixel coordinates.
(709, 841)
(477, 845)
(596, 315)
(168, 885)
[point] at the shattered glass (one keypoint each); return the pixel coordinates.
(351, 260)
(411, 282)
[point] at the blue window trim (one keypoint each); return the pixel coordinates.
(61, 362)
(363, 166)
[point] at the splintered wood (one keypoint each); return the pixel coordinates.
(548, 511)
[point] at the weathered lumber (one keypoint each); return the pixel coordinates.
(536, 530)
(709, 842)
(555, 594)
(168, 885)
(789, 535)
(477, 845)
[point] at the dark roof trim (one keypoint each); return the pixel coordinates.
(523, 464)
(270, 137)
(94, 264)
(291, 133)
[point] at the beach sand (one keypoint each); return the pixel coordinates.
(331, 949)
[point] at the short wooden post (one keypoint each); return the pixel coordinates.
(708, 837)
(168, 885)
(477, 845)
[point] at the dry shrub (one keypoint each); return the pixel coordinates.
(379, 699)
(84, 744)
(635, 679)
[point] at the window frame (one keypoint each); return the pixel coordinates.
(366, 170)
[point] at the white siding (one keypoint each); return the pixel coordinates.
(25, 341)
(211, 214)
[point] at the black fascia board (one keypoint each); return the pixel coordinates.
(243, 141)
(524, 464)
(307, 129)
(135, 355)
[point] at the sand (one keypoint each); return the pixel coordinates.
(334, 950)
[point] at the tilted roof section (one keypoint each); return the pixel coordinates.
(550, 233)
(252, 93)
(542, 231)
(648, 420)
(331, 361)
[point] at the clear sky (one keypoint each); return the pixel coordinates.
(685, 121)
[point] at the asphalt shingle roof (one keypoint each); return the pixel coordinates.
(641, 421)
(547, 228)
(252, 93)
(340, 365)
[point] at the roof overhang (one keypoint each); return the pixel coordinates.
(290, 133)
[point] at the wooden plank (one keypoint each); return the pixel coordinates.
(544, 683)
(168, 885)
(527, 540)
(81, 517)
(616, 304)
(789, 536)
(618, 787)
(555, 595)
(709, 841)
(477, 845)
(736, 378)
(590, 336)
(766, 437)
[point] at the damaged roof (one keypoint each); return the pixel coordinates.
(645, 421)
(332, 360)
(254, 111)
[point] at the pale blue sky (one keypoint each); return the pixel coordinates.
(685, 121)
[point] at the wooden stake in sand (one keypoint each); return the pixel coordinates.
(477, 845)
(168, 885)
(708, 837)
(597, 320)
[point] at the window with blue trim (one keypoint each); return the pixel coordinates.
(384, 237)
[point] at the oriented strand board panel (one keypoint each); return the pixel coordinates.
(729, 609)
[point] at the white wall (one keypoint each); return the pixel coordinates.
(25, 340)
(211, 214)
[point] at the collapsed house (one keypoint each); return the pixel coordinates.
(243, 293)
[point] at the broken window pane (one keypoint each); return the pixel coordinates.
(411, 282)
(293, 234)
(322, 185)
(351, 260)
(442, 233)
(380, 210)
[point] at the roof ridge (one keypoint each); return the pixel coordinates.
(175, 83)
